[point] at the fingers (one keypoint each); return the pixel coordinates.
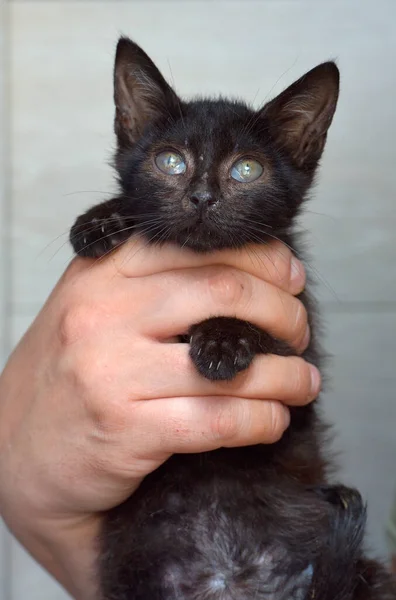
(180, 425)
(175, 299)
(129, 382)
(273, 262)
(185, 297)
(291, 380)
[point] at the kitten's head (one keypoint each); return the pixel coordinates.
(211, 174)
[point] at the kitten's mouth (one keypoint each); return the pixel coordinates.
(207, 236)
(202, 236)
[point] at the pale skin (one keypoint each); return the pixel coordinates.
(93, 398)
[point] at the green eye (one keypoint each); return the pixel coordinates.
(170, 163)
(246, 170)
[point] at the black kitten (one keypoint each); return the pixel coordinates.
(261, 522)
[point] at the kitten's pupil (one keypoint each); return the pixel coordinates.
(170, 163)
(246, 170)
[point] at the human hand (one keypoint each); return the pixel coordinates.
(103, 400)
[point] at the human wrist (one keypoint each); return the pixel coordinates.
(65, 547)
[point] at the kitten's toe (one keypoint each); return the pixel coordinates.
(220, 359)
(97, 236)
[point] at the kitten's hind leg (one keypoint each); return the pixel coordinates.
(347, 499)
(365, 579)
(100, 229)
(374, 582)
(220, 347)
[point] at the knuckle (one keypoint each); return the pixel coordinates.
(77, 320)
(229, 287)
(92, 380)
(81, 368)
(107, 416)
(105, 410)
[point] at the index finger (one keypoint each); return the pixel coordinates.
(272, 262)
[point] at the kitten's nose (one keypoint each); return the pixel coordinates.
(202, 199)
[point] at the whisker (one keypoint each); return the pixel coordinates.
(106, 254)
(258, 239)
(278, 80)
(312, 212)
(178, 101)
(257, 223)
(313, 269)
(130, 228)
(128, 256)
(87, 192)
(117, 245)
(88, 230)
(257, 115)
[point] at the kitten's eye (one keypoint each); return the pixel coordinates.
(246, 170)
(170, 163)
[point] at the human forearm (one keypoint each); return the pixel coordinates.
(66, 549)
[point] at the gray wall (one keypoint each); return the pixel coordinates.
(60, 121)
(4, 270)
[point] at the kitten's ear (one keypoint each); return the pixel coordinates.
(301, 115)
(141, 94)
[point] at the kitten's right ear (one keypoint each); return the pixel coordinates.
(141, 94)
(301, 115)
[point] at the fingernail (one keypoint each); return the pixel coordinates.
(286, 417)
(306, 338)
(297, 270)
(315, 382)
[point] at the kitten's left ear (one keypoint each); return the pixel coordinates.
(141, 94)
(298, 119)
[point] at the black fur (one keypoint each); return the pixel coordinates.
(258, 523)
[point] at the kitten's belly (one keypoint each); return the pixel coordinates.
(195, 537)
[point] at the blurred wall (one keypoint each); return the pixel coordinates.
(60, 117)
(5, 592)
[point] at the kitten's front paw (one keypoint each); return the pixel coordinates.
(221, 347)
(96, 236)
